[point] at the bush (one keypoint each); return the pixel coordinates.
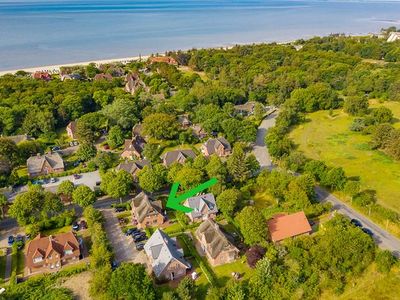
(385, 260)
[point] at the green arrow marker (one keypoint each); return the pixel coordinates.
(174, 201)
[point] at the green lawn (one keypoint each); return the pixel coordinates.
(371, 285)
(55, 231)
(329, 139)
(195, 147)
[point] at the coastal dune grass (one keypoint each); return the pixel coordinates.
(328, 138)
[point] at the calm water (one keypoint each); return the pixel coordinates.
(48, 32)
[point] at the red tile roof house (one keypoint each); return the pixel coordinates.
(286, 226)
(47, 253)
(103, 76)
(204, 207)
(146, 212)
(42, 75)
(219, 146)
(71, 130)
(45, 164)
(163, 59)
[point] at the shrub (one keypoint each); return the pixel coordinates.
(385, 260)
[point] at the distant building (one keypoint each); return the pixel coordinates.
(204, 207)
(219, 146)
(70, 77)
(163, 59)
(71, 130)
(103, 76)
(45, 164)
(198, 131)
(146, 212)
(393, 36)
(133, 167)
(52, 252)
(133, 148)
(165, 256)
(41, 75)
(246, 109)
(134, 83)
(184, 121)
(177, 156)
(19, 138)
(137, 130)
(283, 226)
(216, 246)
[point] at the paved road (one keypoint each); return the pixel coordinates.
(384, 239)
(123, 246)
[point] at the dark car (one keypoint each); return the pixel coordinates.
(19, 238)
(75, 226)
(120, 209)
(76, 176)
(139, 246)
(131, 231)
(356, 222)
(138, 233)
(11, 240)
(114, 265)
(139, 239)
(367, 231)
(56, 148)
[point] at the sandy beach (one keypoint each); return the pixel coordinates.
(54, 69)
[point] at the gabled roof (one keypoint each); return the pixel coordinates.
(103, 76)
(213, 144)
(171, 157)
(215, 240)
(136, 144)
(35, 163)
(201, 202)
(143, 206)
(284, 226)
(162, 249)
(133, 166)
(44, 246)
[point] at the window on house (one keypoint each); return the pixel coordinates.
(37, 259)
(68, 252)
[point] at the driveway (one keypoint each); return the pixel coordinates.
(123, 246)
(382, 238)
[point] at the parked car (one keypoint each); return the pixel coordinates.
(120, 209)
(356, 222)
(114, 265)
(367, 231)
(131, 231)
(75, 143)
(139, 246)
(53, 180)
(77, 176)
(139, 239)
(56, 148)
(83, 224)
(75, 226)
(19, 238)
(10, 240)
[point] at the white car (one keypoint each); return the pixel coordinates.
(53, 180)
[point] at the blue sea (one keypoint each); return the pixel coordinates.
(47, 32)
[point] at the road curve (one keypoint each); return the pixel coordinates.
(383, 239)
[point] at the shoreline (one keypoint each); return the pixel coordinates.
(55, 69)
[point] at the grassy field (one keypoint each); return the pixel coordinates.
(329, 139)
(372, 285)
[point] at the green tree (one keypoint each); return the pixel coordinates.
(356, 105)
(237, 165)
(152, 152)
(115, 137)
(123, 112)
(9, 151)
(385, 260)
(352, 188)
(335, 178)
(65, 189)
(382, 115)
(228, 202)
(186, 289)
(152, 179)
(3, 204)
(252, 225)
(86, 151)
(216, 168)
(117, 184)
(160, 126)
(83, 196)
(131, 282)
(188, 177)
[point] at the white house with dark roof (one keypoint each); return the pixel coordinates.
(204, 207)
(165, 257)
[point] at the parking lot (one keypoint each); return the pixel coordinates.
(123, 246)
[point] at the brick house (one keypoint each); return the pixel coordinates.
(283, 226)
(177, 156)
(146, 212)
(165, 256)
(219, 146)
(216, 246)
(45, 164)
(71, 130)
(41, 75)
(204, 207)
(133, 148)
(133, 167)
(103, 76)
(163, 59)
(46, 253)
